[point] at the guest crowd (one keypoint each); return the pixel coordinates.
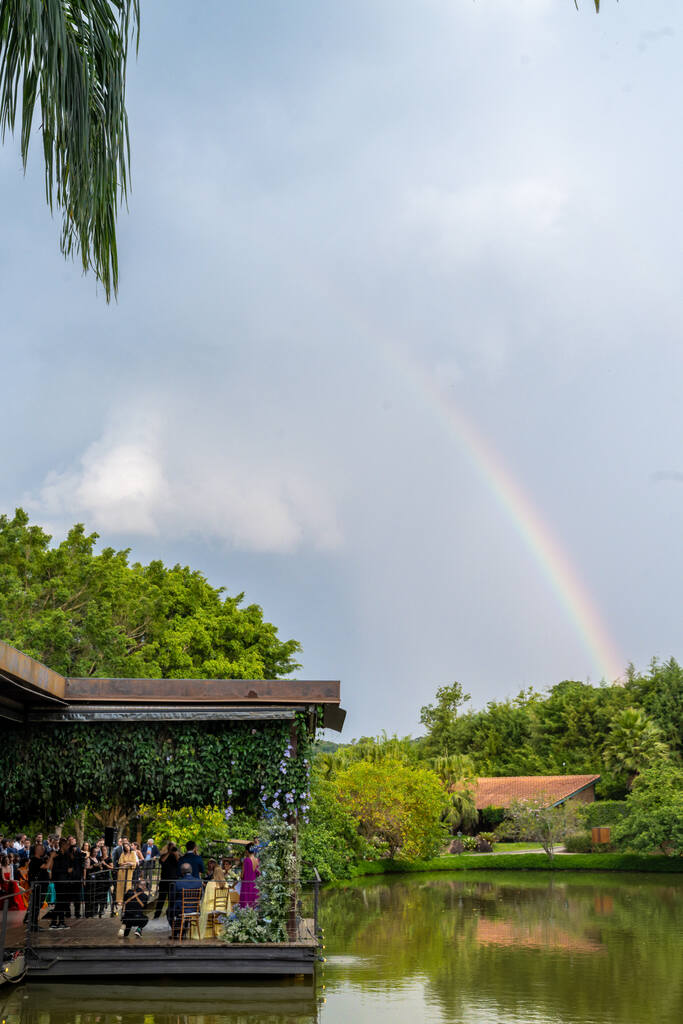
(70, 881)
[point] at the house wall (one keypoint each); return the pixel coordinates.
(586, 796)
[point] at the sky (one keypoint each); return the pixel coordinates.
(396, 350)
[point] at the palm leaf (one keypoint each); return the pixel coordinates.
(69, 56)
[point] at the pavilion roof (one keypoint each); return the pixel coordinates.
(492, 791)
(32, 691)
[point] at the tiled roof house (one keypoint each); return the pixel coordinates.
(501, 791)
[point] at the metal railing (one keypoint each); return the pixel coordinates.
(54, 906)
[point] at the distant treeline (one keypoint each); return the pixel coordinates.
(574, 728)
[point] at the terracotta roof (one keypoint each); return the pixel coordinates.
(500, 792)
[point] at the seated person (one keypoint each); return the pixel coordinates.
(134, 903)
(192, 858)
(191, 888)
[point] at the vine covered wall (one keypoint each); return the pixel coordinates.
(51, 770)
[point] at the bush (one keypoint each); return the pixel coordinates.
(490, 818)
(489, 837)
(603, 813)
(579, 843)
(330, 841)
(395, 804)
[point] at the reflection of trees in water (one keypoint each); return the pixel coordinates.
(577, 949)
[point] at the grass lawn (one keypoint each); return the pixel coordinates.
(527, 862)
(511, 847)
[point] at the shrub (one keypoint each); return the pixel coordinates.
(396, 804)
(603, 813)
(330, 841)
(581, 842)
(655, 812)
(489, 837)
(245, 925)
(491, 817)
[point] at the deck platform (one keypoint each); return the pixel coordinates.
(91, 948)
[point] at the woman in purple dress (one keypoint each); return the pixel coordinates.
(250, 872)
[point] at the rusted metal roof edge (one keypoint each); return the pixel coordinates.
(29, 673)
(198, 691)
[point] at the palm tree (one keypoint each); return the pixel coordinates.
(69, 57)
(634, 743)
(457, 775)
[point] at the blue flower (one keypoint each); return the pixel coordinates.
(276, 804)
(228, 813)
(229, 792)
(289, 797)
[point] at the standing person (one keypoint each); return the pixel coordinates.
(103, 886)
(192, 858)
(38, 879)
(91, 870)
(76, 877)
(126, 865)
(60, 867)
(250, 872)
(169, 872)
(150, 850)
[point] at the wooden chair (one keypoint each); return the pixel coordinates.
(221, 905)
(189, 912)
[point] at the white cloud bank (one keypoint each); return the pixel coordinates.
(139, 478)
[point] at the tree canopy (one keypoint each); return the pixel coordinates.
(573, 728)
(84, 613)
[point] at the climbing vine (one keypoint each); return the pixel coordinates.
(51, 770)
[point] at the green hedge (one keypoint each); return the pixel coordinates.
(526, 862)
(603, 813)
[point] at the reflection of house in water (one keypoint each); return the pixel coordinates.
(541, 935)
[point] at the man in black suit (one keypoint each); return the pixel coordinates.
(192, 858)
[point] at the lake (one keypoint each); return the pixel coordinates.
(486, 947)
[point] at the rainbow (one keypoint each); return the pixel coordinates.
(547, 552)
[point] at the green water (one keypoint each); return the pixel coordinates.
(488, 948)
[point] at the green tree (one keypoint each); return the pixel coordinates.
(549, 826)
(394, 804)
(634, 744)
(68, 58)
(88, 614)
(654, 816)
(329, 839)
(440, 720)
(659, 692)
(207, 826)
(457, 775)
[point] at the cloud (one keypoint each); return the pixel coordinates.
(144, 478)
(467, 222)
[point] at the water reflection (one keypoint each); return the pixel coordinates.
(514, 948)
(518, 948)
(161, 1002)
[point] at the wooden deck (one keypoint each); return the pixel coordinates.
(92, 948)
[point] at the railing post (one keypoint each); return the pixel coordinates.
(29, 914)
(3, 928)
(316, 897)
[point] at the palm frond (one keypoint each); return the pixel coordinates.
(69, 56)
